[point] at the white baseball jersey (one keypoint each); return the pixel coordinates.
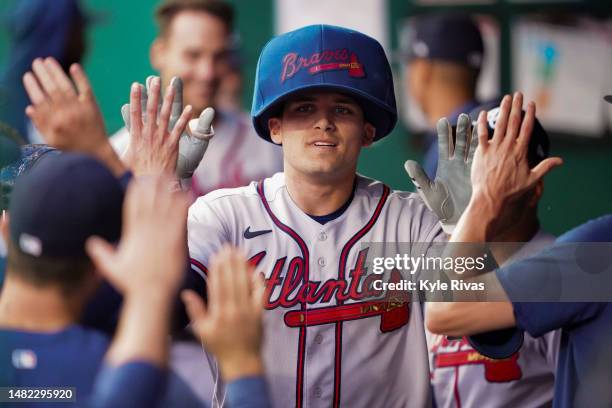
(324, 345)
(235, 155)
(462, 377)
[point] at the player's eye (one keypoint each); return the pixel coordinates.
(304, 108)
(192, 55)
(343, 110)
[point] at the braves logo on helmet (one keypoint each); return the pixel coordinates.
(318, 62)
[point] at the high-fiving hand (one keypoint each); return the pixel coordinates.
(68, 117)
(230, 325)
(500, 172)
(193, 139)
(449, 194)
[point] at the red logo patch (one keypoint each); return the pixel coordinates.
(327, 60)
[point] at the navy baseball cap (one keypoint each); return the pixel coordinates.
(539, 143)
(329, 58)
(61, 202)
(446, 37)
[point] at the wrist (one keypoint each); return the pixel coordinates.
(477, 221)
(107, 155)
(239, 365)
(155, 297)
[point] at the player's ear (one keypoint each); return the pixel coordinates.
(157, 53)
(369, 133)
(274, 126)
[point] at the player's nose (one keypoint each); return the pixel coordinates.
(325, 122)
(205, 70)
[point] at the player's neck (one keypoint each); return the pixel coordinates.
(41, 309)
(315, 197)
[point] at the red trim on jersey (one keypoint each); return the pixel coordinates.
(456, 388)
(496, 371)
(341, 276)
(199, 265)
(305, 256)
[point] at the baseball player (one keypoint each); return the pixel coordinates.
(323, 93)
(461, 377)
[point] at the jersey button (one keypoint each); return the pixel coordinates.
(322, 236)
(321, 261)
(318, 392)
(318, 339)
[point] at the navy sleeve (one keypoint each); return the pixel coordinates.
(134, 384)
(248, 392)
(541, 277)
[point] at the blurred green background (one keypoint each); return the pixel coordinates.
(118, 55)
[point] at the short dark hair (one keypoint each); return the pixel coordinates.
(168, 9)
(67, 273)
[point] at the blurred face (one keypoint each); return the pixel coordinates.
(193, 48)
(322, 134)
(418, 80)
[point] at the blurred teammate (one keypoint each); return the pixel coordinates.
(444, 58)
(192, 44)
(37, 30)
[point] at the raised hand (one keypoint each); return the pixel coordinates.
(147, 267)
(67, 117)
(151, 255)
(153, 147)
(449, 194)
(193, 140)
(230, 326)
(501, 170)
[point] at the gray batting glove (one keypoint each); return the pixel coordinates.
(192, 147)
(193, 142)
(449, 194)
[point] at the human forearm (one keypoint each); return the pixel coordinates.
(143, 332)
(107, 155)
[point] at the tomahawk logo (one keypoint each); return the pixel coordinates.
(326, 60)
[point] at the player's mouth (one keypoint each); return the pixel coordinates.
(324, 144)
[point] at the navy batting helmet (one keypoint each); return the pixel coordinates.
(539, 143)
(325, 57)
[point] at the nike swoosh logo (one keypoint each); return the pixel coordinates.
(248, 234)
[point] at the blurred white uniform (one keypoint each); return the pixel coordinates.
(235, 155)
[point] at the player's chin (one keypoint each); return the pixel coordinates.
(322, 166)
